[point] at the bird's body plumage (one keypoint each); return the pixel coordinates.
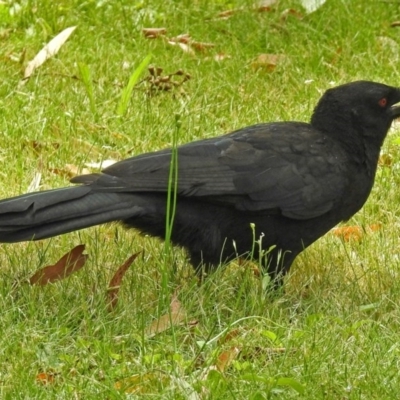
(292, 181)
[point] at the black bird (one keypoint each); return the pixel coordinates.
(287, 183)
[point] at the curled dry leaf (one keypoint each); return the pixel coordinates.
(201, 46)
(176, 315)
(229, 336)
(185, 47)
(385, 160)
(226, 357)
(267, 62)
(354, 233)
(152, 33)
(228, 13)
(48, 51)
(115, 283)
(188, 45)
(395, 24)
(291, 12)
(71, 262)
(143, 383)
(45, 378)
(183, 38)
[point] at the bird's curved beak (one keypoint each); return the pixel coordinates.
(394, 110)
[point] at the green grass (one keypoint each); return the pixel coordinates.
(334, 331)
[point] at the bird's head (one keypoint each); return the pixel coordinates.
(363, 109)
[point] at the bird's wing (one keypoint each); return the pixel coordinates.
(289, 167)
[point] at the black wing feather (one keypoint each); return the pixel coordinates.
(285, 166)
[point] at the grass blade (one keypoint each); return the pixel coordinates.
(127, 91)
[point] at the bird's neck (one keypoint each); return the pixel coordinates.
(363, 144)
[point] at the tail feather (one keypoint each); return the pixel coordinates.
(49, 213)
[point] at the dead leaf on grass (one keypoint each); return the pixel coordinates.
(143, 383)
(115, 283)
(354, 233)
(152, 33)
(48, 51)
(226, 358)
(176, 316)
(385, 160)
(45, 378)
(71, 262)
(267, 62)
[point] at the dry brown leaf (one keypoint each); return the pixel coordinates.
(45, 378)
(291, 12)
(142, 383)
(176, 315)
(186, 48)
(48, 51)
(229, 336)
(385, 160)
(228, 13)
(152, 33)
(226, 357)
(183, 38)
(71, 262)
(115, 283)
(267, 62)
(395, 24)
(349, 233)
(201, 46)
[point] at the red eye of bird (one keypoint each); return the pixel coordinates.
(382, 102)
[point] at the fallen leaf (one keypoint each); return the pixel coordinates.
(45, 378)
(152, 33)
(143, 383)
(115, 283)
(48, 51)
(186, 48)
(349, 233)
(183, 38)
(291, 12)
(201, 46)
(267, 62)
(176, 315)
(229, 336)
(228, 13)
(226, 357)
(395, 24)
(71, 262)
(385, 160)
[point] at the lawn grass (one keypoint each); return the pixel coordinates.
(333, 334)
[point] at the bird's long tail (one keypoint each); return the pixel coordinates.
(49, 213)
